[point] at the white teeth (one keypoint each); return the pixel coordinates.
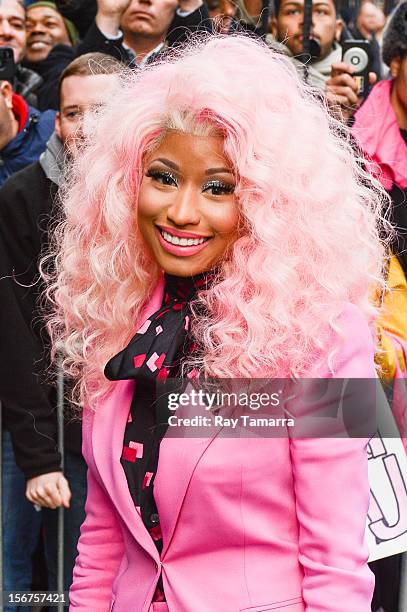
(181, 241)
(38, 44)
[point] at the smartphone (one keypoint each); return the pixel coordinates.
(356, 53)
(7, 65)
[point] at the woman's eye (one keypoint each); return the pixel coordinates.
(218, 188)
(165, 178)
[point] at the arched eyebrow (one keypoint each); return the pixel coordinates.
(218, 171)
(208, 172)
(166, 162)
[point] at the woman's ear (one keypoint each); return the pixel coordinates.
(395, 67)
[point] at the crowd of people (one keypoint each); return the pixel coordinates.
(71, 58)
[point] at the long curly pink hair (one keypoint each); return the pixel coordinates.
(311, 239)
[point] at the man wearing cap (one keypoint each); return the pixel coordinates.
(51, 39)
(46, 27)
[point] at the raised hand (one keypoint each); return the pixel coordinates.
(341, 90)
(109, 15)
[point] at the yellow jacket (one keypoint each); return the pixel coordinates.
(393, 320)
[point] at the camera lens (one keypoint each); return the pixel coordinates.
(356, 57)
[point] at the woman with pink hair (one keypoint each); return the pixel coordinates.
(217, 226)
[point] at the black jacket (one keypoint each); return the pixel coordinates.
(28, 204)
(26, 84)
(26, 407)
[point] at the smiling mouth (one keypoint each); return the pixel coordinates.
(183, 242)
(38, 44)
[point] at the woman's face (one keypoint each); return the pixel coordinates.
(187, 211)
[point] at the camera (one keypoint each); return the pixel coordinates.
(356, 53)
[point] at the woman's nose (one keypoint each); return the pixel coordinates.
(184, 209)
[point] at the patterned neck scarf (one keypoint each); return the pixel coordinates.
(154, 353)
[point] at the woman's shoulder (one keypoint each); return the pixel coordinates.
(351, 347)
(352, 319)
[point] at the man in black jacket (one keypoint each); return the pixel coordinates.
(23, 136)
(149, 25)
(28, 207)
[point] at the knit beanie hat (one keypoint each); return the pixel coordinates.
(70, 26)
(395, 35)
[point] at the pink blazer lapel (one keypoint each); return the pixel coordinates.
(172, 479)
(180, 454)
(107, 443)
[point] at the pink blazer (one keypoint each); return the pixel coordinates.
(249, 525)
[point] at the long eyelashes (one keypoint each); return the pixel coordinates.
(167, 178)
(162, 176)
(219, 187)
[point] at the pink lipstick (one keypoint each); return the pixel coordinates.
(180, 250)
